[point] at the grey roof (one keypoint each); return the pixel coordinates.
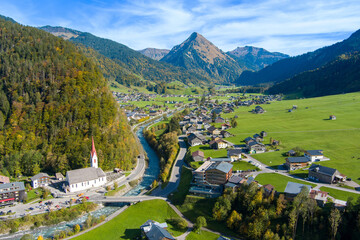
(248, 139)
(84, 174)
(212, 128)
(235, 151)
(298, 159)
(315, 152)
(295, 188)
(235, 179)
(11, 187)
(322, 170)
(291, 151)
(39, 175)
(250, 180)
(158, 233)
(255, 143)
(224, 167)
(192, 136)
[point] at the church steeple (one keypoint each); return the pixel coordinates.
(93, 155)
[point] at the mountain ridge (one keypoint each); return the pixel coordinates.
(154, 53)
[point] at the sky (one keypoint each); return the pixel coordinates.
(289, 26)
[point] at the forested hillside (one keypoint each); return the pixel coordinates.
(340, 76)
(290, 67)
(52, 100)
(131, 60)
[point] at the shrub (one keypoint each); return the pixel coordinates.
(77, 228)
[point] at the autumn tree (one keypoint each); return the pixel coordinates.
(334, 220)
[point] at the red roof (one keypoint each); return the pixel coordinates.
(198, 153)
(93, 150)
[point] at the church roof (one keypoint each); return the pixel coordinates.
(84, 174)
(93, 150)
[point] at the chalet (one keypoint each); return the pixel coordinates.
(198, 156)
(218, 144)
(269, 189)
(40, 180)
(332, 117)
(293, 189)
(293, 163)
(218, 173)
(258, 110)
(291, 153)
(216, 111)
(4, 179)
(234, 154)
(191, 129)
(325, 174)
(219, 120)
(207, 126)
(258, 138)
(225, 134)
(263, 134)
(319, 196)
(152, 230)
(11, 192)
(314, 155)
(196, 139)
(249, 140)
(255, 147)
(213, 130)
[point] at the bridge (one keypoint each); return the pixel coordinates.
(126, 199)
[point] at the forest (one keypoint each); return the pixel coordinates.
(52, 100)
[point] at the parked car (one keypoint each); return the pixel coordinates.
(348, 179)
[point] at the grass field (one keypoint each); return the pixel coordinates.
(115, 191)
(338, 194)
(278, 181)
(127, 224)
(208, 152)
(308, 128)
(243, 165)
(202, 235)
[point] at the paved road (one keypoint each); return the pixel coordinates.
(129, 199)
(176, 171)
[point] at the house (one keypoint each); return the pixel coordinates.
(249, 140)
(59, 176)
(213, 130)
(155, 231)
(207, 126)
(263, 134)
(293, 189)
(269, 189)
(218, 144)
(293, 163)
(319, 196)
(255, 147)
(291, 153)
(199, 173)
(4, 179)
(332, 117)
(219, 120)
(340, 204)
(258, 110)
(325, 174)
(225, 126)
(314, 155)
(234, 154)
(198, 156)
(191, 129)
(225, 134)
(196, 139)
(40, 180)
(218, 173)
(257, 137)
(11, 192)
(85, 178)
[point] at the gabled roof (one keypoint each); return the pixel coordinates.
(93, 150)
(212, 128)
(295, 188)
(249, 139)
(298, 159)
(315, 152)
(84, 174)
(269, 187)
(322, 169)
(198, 153)
(235, 151)
(39, 175)
(11, 187)
(235, 179)
(255, 143)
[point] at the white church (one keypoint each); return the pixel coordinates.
(85, 178)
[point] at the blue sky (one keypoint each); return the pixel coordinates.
(289, 26)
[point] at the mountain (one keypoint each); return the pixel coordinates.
(130, 60)
(52, 100)
(339, 76)
(154, 53)
(199, 55)
(289, 67)
(7, 18)
(255, 58)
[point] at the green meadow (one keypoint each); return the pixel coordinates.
(307, 127)
(127, 224)
(278, 181)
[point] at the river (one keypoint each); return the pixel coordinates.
(151, 173)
